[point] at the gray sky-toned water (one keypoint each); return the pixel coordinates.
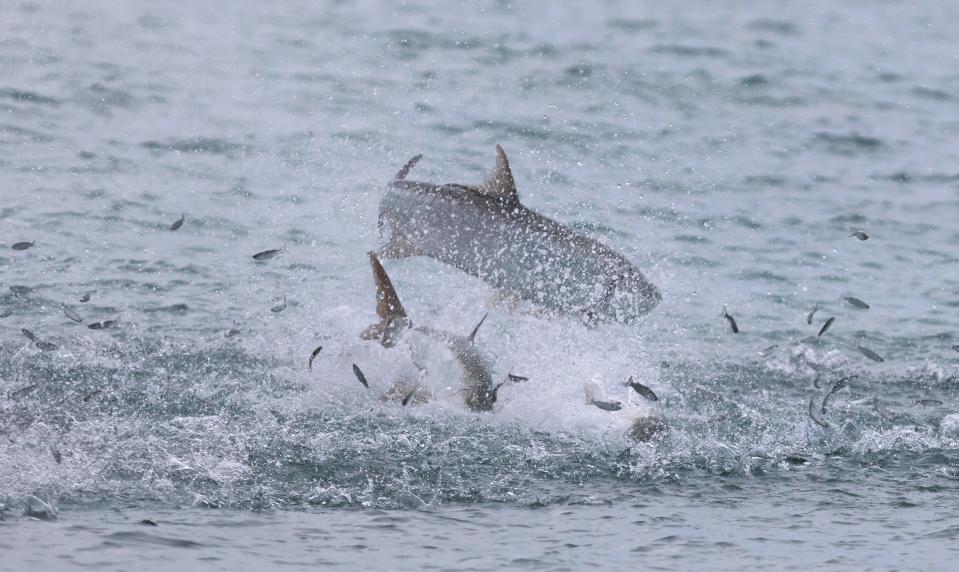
(728, 149)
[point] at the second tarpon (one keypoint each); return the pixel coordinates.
(485, 231)
(478, 388)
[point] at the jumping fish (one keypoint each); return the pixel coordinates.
(769, 351)
(29, 335)
(856, 302)
(179, 222)
(487, 232)
(836, 387)
(72, 315)
(607, 405)
(825, 327)
(870, 354)
(103, 325)
(22, 245)
(861, 235)
(812, 313)
(516, 378)
(928, 402)
(359, 375)
(814, 413)
(313, 355)
(731, 320)
(85, 298)
(480, 394)
(641, 389)
(280, 307)
(269, 254)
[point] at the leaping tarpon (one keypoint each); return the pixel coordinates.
(485, 231)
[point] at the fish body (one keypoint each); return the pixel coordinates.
(928, 402)
(313, 355)
(359, 376)
(731, 320)
(811, 314)
(85, 298)
(836, 387)
(231, 333)
(280, 307)
(102, 325)
(46, 346)
(269, 254)
(29, 335)
(486, 232)
(22, 245)
(179, 222)
(870, 354)
(861, 235)
(21, 290)
(72, 315)
(856, 302)
(814, 413)
(480, 393)
(607, 405)
(6, 313)
(825, 326)
(641, 389)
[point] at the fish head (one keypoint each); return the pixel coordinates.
(623, 297)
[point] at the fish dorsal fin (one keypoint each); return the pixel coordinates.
(387, 302)
(472, 335)
(500, 183)
(392, 315)
(406, 168)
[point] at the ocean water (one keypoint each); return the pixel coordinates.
(728, 148)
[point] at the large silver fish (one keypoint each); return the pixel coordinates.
(478, 388)
(485, 231)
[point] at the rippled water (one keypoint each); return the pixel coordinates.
(728, 149)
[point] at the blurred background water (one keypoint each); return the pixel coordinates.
(728, 148)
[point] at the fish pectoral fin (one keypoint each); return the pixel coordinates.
(500, 183)
(398, 246)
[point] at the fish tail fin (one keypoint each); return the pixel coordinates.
(629, 381)
(388, 307)
(402, 173)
